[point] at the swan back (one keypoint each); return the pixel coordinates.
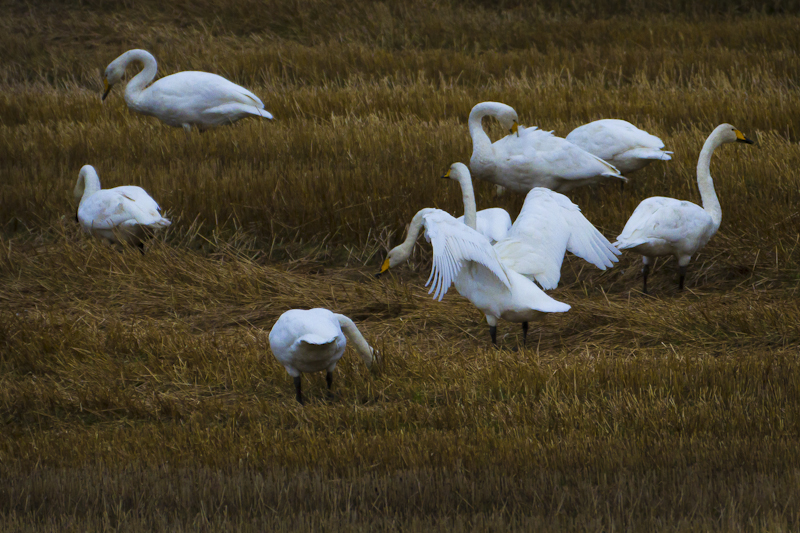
(620, 143)
(307, 340)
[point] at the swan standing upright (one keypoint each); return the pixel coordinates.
(665, 226)
(619, 143)
(124, 213)
(530, 157)
(183, 99)
(314, 340)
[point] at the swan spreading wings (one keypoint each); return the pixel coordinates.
(498, 279)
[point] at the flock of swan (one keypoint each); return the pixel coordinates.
(501, 268)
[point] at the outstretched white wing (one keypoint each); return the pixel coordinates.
(454, 245)
(548, 226)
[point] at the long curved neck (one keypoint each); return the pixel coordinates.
(88, 184)
(468, 196)
(147, 74)
(405, 248)
(704, 181)
(356, 339)
(481, 143)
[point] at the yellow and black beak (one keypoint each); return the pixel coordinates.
(445, 176)
(384, 268)
(515, 128)
(742, 139)
(107, 88)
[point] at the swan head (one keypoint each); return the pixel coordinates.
(458, 172)
(113, 74)
(730, 134)
(395, 256)
(88, 183)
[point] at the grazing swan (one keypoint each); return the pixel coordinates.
(314, 340)
(124, 213)
(548, 226)
(619, 143)
(530, 157)
(665, 226)
(183, 99)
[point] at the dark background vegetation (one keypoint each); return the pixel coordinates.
(138, 391)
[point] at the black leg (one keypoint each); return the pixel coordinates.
(645, 272)
(297, 390)
(524, 332)
(141, 247)
(681, 276)
(329, 379)
(621, 185)
(493, 333)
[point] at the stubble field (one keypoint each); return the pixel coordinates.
(137, 391)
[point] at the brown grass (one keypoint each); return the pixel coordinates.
(137, 392)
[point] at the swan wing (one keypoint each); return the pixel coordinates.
(660, 219)
(548, 226)
(455, 244)
(550, 154)
(121, 206)
(203, 87)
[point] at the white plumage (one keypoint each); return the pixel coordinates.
(464, 257)
(184, 99)
(530, 157)
(124, 213)
(619, 143)
(665, 226)
(314, 340)
(548, 226)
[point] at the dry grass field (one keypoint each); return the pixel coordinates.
(138, 392)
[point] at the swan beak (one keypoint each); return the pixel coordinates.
(515, 128)
(384, 268)
(742, 139)
(446, 174)
(107, 88)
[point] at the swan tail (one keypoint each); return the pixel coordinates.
(650, 153)
(316, 340)
(236, 108)
(614, 175)
(624, 245)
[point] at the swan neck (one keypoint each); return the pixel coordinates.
(88, 184)
(468, 196)
(407, 245)
(481, 143)
(144, 77)
(704, 181)
(358, 341)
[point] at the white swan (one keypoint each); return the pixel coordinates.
(183, 99)
(124, 213)
(665, 226)
(548, 226)
(314, 340)
(530, 157)
(619, 143)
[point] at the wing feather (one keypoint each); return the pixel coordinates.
(454, 245)
(548, 226)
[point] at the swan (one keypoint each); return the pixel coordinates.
(122, 214)
(530, 157)
(619, 143)
(494, 278)
(665, 226)
(313, 340)
(183, 99)
(548, 226)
